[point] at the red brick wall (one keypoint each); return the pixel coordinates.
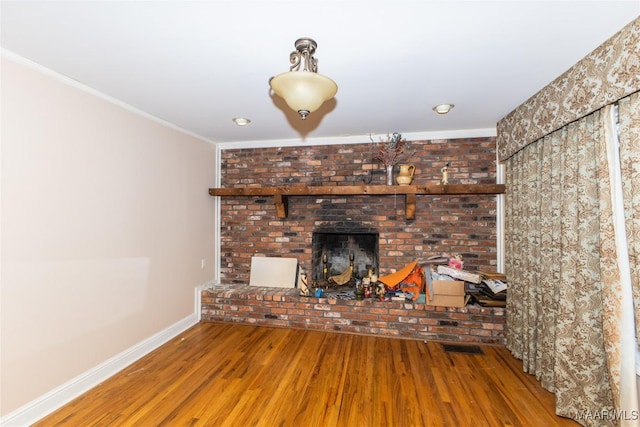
(284, 308)
(447, 225)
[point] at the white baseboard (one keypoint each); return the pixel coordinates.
(54, 399)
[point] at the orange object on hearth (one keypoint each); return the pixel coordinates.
(408, 279)
(392, 280)
(414, 282)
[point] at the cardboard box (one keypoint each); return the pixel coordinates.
(448, 293)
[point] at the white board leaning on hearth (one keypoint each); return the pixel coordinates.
(273, 272)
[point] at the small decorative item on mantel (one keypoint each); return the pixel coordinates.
(445, 174)
(391, 152)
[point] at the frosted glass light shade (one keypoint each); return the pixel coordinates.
(303, 91)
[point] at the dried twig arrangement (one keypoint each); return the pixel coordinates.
(393, 150)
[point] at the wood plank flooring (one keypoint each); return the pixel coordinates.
(218, 374)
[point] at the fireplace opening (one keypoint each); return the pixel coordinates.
(339, 249)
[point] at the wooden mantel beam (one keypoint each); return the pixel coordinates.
(360, 190)
(410, 192)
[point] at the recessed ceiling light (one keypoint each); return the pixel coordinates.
(443, 108)
(241, 121)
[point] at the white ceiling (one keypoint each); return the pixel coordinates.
(198, 64)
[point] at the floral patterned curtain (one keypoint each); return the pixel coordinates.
(571, 254)
(609, 73)
(567, 308)
(554, 309)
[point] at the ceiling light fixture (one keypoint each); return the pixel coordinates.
(303, 90)
(443, 108)
(241, 121)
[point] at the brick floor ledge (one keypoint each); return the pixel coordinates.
(282, 307)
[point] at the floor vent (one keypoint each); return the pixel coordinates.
(466, 349)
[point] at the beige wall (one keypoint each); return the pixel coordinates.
(105, 219)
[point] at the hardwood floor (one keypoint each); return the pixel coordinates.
(238, 375)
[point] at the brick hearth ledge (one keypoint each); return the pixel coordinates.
(284, 307)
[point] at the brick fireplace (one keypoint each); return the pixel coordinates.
(463, 225)
(443, 224)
